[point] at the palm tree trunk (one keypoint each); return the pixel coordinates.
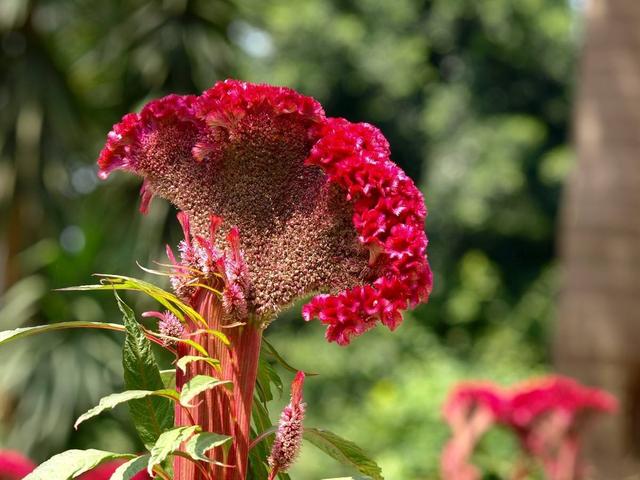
(598, 332)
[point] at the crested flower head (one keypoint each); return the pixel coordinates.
(533, 399)
(14, 465)
(304, 204)
(286, 445)
(470, 396)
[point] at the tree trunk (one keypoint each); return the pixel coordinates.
(598, 333)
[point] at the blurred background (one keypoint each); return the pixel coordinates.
(476, 99)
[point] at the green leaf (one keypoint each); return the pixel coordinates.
(130, 469)
(272, 350)
(72, 463)
(267, 376)
(167, 443)
(191, 343)
(166, 299)
(10, 335)
(151, 415)
(198, 445)
(197, 385)
(168, 378)
(116, 399)
(344, 451)
(187, 359)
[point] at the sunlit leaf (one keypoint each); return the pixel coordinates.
(130, 469)
(199, 384)
(72, 463)
(167, 443)
(344, 451)
(188, 359)
(115, 399)
(201, 443)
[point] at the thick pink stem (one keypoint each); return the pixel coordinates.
(222, 410)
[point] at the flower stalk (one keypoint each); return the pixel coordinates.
(222, 410)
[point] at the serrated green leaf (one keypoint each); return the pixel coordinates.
(10, 335)
(344, 451)
(151, 415)
(130, 469)
(197, 385)
(115, 399)
(72, 463)
(168, 443)
(198, 445)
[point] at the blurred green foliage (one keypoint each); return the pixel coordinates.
(475, 100)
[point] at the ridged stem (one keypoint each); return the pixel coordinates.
(222, 410)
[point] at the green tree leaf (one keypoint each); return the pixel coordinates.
(72, 463)
(198, 445)
(168, 443)
(130, 469)
(344, 451)
(151, 415)
(115, 399)
(197, 385)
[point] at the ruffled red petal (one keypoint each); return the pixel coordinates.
(389, 215)
(123, 149)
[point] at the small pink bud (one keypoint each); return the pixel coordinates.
(169, 325)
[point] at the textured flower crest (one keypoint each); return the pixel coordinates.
(316, 204)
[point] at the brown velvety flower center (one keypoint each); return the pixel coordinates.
(295, 227)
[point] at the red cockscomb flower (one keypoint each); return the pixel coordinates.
(545, 414)
(471, 409)
(306, 203)
(14, 465)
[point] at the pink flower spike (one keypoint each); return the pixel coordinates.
(288, 441)
(14, 465)
(169, 325)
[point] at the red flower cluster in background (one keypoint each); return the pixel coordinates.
(545, 414)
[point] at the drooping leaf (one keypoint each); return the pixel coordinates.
(267, 376)
(197, 385)
(198, 445)
(130, 469)
(344, 451)
(151, 415)
(115, 399)
(10, 335)
(166, 299)
(187, 359)
(72, 463)
(272, 351)
(167, 443)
